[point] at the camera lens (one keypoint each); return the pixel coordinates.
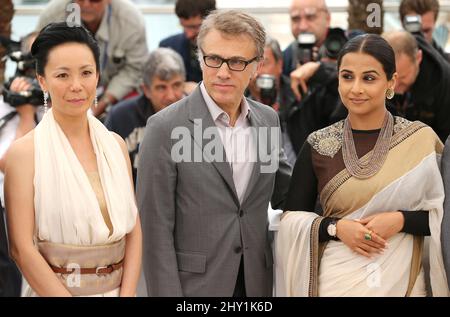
(334, 42)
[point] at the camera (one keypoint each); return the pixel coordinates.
(413, 23)
(334, 42)
(306, 42)
(32, 96)
(25, 68)
(267, 87)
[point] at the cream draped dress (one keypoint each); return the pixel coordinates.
(67, 209)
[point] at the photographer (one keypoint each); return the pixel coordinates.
(314, 39)
(19, 121)
(16, 120)
(14, 123)
(20, 98)
(314, 80)
(272, 88)
(119, 29)
(422, 89)
(419, 17)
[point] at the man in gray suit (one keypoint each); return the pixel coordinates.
(210, 164)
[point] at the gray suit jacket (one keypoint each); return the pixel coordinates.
(445, 227)
(195, 230)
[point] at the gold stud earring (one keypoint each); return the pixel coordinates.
(390, 93)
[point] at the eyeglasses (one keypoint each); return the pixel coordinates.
(234, 64)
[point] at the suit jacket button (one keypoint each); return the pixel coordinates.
(238, 249)
(241, 213)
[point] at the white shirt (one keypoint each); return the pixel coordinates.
(238, 141)
(7, 136)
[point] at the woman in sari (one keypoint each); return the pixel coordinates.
(72, 217)
(378, 181)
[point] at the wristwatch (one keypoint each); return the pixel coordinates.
(331, 229)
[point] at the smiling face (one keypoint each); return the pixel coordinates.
(70, 77)
(226, 87)
(363, 84)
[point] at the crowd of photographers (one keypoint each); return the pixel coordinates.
(300, 83)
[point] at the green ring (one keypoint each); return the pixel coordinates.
(368, 236)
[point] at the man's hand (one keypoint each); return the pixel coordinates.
(300, 77)
(386, 224)
(352, 234)
(103, 103)
(25, 111)
(20, 84)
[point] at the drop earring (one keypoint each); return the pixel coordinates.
(95, 102)
(45, 101)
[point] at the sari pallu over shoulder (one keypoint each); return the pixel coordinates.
(409, 180)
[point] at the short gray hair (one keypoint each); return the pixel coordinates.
(275, 48)
(233, 22)
(163, 63)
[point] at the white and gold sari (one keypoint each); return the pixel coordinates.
(409, 180)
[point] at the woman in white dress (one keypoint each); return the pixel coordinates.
(72, 219)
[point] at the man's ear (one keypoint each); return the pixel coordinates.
(280, 66)
(257, 69)
(146, 91)
(328, 18)
(419, 56)
(393, 81)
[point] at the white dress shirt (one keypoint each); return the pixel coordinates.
(238, 141)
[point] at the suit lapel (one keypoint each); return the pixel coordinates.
(200, 119)
(255, 123)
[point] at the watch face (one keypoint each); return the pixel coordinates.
(332, 230)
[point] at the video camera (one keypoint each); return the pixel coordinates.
(25, 68)
(267, 87)
(333, 44)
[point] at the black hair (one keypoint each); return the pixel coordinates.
(59, 33)
(191, 8)
(373, 45)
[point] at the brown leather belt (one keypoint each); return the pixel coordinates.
(95, 270)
